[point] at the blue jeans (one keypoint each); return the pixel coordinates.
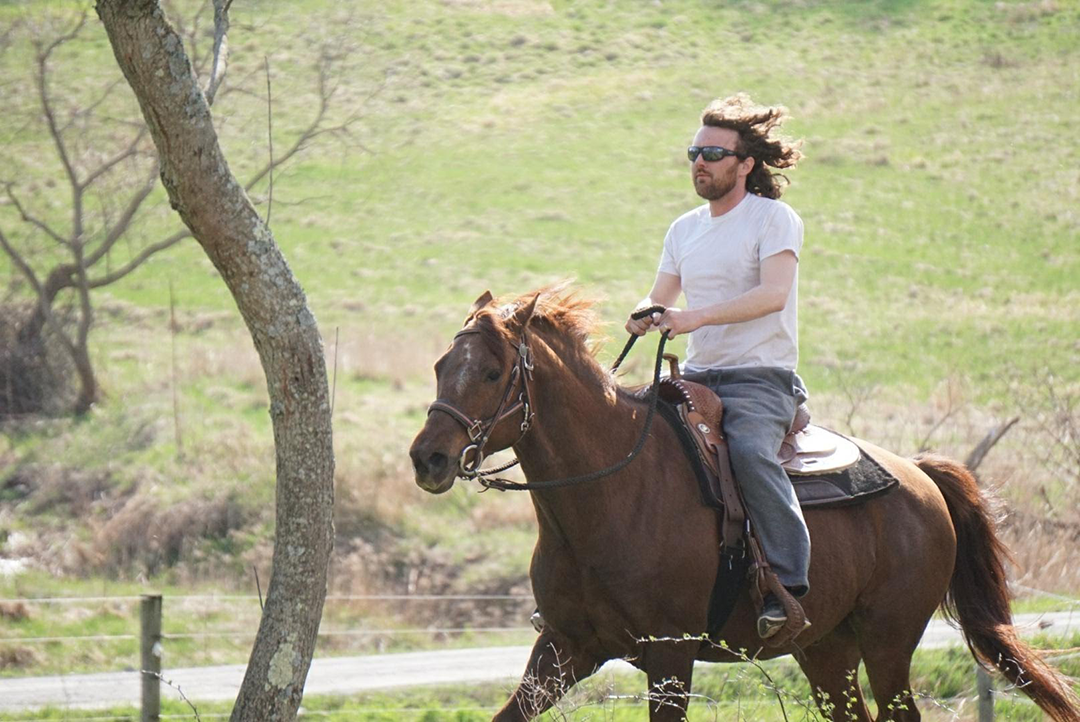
(759, 405)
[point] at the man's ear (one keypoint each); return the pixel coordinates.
(748, 164)
(519, 320)
(484, 299)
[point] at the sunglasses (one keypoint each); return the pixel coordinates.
(710, 153)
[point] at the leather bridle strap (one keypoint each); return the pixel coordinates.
(654, 397)
(480, 431)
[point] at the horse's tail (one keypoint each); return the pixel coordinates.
(978, 596)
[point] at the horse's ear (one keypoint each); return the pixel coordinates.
(484, 299)
(523, 313)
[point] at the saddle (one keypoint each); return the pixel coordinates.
(807, 453)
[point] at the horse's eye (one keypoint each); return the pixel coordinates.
(493, 375)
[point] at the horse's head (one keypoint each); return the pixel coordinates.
(482, 400)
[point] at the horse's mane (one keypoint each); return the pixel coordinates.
(560, 314)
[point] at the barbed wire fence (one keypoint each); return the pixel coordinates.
(152, 640)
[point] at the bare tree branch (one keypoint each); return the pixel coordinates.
(43, 95)
(130, 151)
(88, 110)
(32, 219)
(121, 225)
(139, 259)
(269, 138)
(315, 128)
(983, 448)
(70, 35)
(221, 48)
(44, 304)
(952, 407)
(21, 264)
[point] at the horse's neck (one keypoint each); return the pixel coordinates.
(582, 425)
(575, 406)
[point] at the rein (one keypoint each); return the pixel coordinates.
(469, 470)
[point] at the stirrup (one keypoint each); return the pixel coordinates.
(772, 619)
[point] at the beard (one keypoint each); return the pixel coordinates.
(713, 188)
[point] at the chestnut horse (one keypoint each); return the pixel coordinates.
(633, 556)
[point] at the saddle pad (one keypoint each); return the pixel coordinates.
(852, 485)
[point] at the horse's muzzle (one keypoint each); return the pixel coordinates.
(433, 471)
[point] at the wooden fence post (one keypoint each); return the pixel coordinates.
(985, 686)
(150, 644)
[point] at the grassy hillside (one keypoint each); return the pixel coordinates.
(506, 144)
(513, 143)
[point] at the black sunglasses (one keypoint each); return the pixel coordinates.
(710, 153)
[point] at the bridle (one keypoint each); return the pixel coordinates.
(480, 431)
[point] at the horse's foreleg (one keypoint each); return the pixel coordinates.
(669, 665)
(552, 670)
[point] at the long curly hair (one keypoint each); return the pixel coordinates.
(758, 128)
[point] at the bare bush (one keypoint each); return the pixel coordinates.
(34, 377)
(1056, 412)
(61, 490)
(17, 657)
(1044, 550)
(143, 537)
(14, 611)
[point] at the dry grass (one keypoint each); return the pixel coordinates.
(17, 657)
(144, 536)
(14, 611)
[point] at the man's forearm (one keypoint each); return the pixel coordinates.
(755, 303)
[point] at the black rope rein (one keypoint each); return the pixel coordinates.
(654, 396)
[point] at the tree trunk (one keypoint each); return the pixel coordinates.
(30, 331)
(224, 222)
(84, 368)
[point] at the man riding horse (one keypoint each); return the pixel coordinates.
(736, 260)
(626, 563)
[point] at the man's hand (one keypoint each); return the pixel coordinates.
(675, 321)
(639, 326)
(665, 291)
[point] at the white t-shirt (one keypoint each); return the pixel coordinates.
(717, 259)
